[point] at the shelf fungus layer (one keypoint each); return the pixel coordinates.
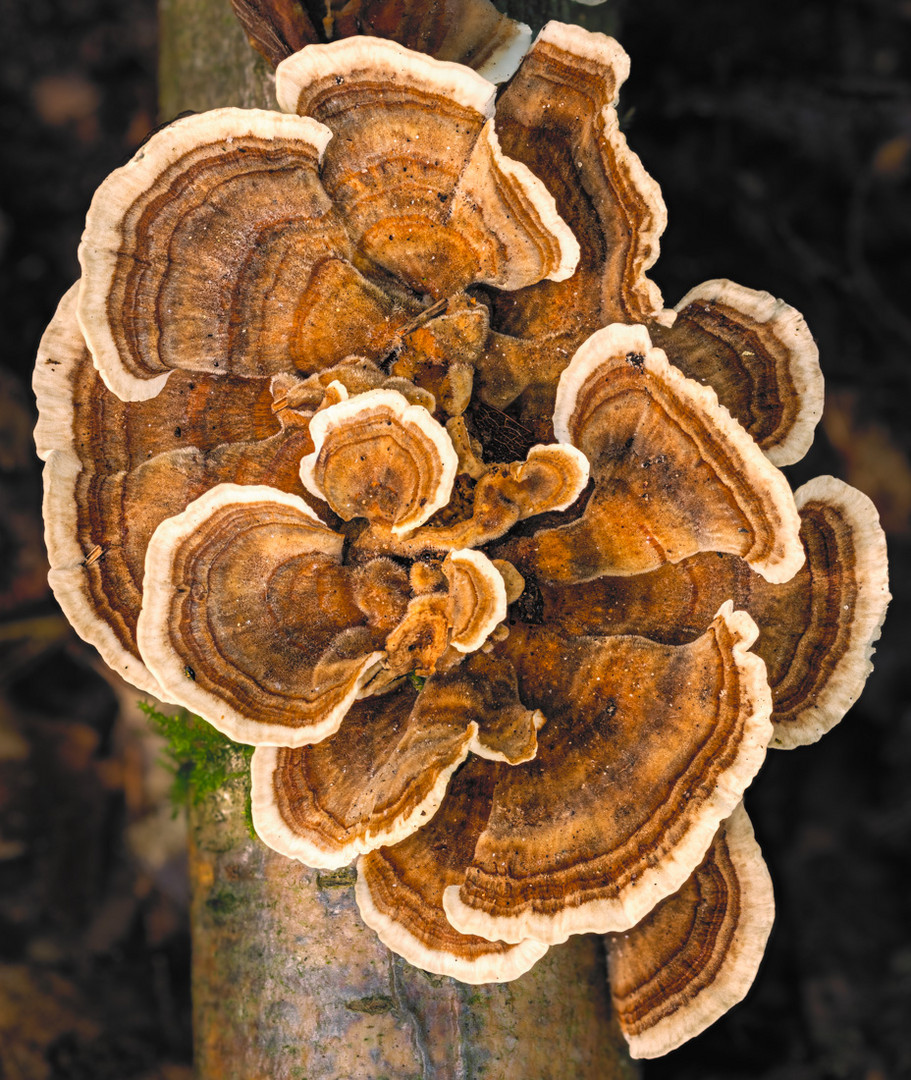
(247, 614)
(816, 631)
(396, 175)
(695, 954)
(385, 772)
(368, 439)
(115, 470)
(758, 355)
(470, 32)
(649, 747)
(558, 116)
(400, 890)
(674, 474)
(378, 457)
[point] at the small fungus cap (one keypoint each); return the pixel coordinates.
(378, 457)
(675, 973)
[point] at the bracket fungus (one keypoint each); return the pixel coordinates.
(369, 440)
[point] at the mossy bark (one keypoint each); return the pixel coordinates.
(288, 984)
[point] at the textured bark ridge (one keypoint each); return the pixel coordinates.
(289, 984)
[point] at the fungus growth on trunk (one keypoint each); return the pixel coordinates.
(369, 440)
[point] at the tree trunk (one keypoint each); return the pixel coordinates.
(288, 984)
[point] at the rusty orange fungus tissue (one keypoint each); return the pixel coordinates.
(369, 440)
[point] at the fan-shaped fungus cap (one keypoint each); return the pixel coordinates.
(558, 116)
(114, 471)
(384, 774)
(379, 779)
(758, 355)
(478, 594)
(397, 173)
(182, 193)
(817, 630)
(380, 458)
(637, 782)
(674, 474)
(220, 577)
(696, 953)
(399, 891)
(822, 625)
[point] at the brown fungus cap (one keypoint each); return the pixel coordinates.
(470, 32)
(820, 627)
(817, 630)
(399, 890)
(758, 355)
(478, 594)
(385, 772)
(378, 457)
(114, 471)
(696, 953)
(174, 273)
(406, 184)
(674, 474)
(558, 116)
(380, 777)
(417, 173)
(248, 618)
(646, 749)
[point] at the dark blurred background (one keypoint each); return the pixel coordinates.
(781, 135)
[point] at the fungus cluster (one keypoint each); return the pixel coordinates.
(369, 440)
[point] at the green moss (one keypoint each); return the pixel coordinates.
(337, 879)
(373, 1005)
(201, 759)
(223, 904)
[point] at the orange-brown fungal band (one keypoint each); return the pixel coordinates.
(820, 628)
(399, 891)
(378, 457)
(758, 355)
(173, 275)
(247, 617)
(478, 594)
(378, 779)
(645, 751)
(674, 473)
(115, 470)
(695, 955)
(308, 82)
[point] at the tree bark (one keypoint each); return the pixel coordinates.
(288, 983)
